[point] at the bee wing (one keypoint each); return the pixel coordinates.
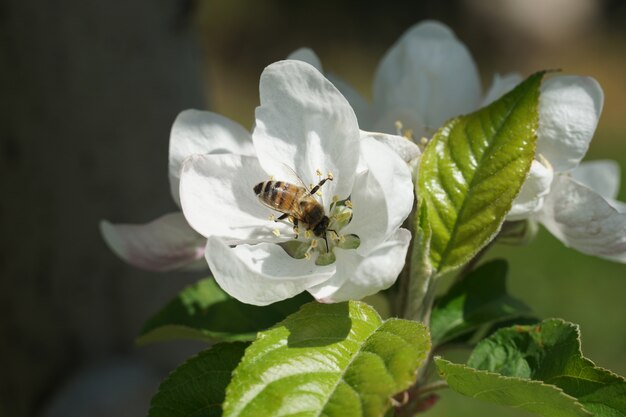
(288, 174)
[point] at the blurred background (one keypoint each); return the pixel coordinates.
(88, 93)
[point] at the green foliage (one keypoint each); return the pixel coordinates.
(197, 388)
(539, 368)
(328, 359)
(472, 170)
(204, 311)
(479, 299)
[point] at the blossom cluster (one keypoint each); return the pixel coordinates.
(246, 196)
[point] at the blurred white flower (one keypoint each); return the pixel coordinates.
(169, 243)
(303, 125)
(428, 76)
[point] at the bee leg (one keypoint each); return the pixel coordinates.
(282, 217)
(295, 227)
(319, 184)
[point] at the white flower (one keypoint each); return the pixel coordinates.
(169, 243)
(303, 125)
(428, 77)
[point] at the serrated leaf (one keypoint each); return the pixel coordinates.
(328, 359)
(480, 298)
(547, 354)
(204, 311)
(472, 170)
(551, 352)
(534, 396)
(197, 388)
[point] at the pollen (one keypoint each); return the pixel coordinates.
(424, 141)
(276, 232)
(308, 234)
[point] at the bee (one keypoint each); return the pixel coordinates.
(296, 202)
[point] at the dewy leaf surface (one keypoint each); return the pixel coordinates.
(480, 298)
(546, 355)
(204, 311)
(328, 360)
(197, 388)
(472, 170)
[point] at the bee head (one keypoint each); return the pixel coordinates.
(258, 188)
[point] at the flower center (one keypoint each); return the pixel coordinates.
(307, 245)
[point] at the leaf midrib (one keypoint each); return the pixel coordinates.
(472, 185)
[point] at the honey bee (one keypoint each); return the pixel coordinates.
(296, 202)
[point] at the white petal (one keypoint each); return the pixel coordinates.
(202, 132)
(403, 147)
(305, 123)
(358, 276)
(500, 86)
(584, 220)
(430, 72)
(382, 197)
(535, 188)
(362, 108)
(262, 274)
(218, 199)
(165, 244)
(603, 177)
(306, 55)
(569, 109)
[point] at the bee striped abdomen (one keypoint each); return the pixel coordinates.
(279, 195)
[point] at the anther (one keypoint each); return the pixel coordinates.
(276, 232)
(424, 141)
(330, 175)
(399, 127)
(318, 172)
(308, 234)
(348, 204)
(271, 218)
(335, 198)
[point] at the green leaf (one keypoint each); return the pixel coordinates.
(204, 311)
(197, 388)
(328, 359)
(480, 298)
(547, 356)
(534, 396)
(472, 170)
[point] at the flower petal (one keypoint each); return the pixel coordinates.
(165, 244)
(584, 220)
(535, 188)
(218, 199)
(500, 86)
(307, 55)
(569, 109)
(431, 73)
(405, 148)
(603, 177)
(306, 124)
(382, 197)
(262, 274)
(362, 108)
(202, 132)
(359, 276)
